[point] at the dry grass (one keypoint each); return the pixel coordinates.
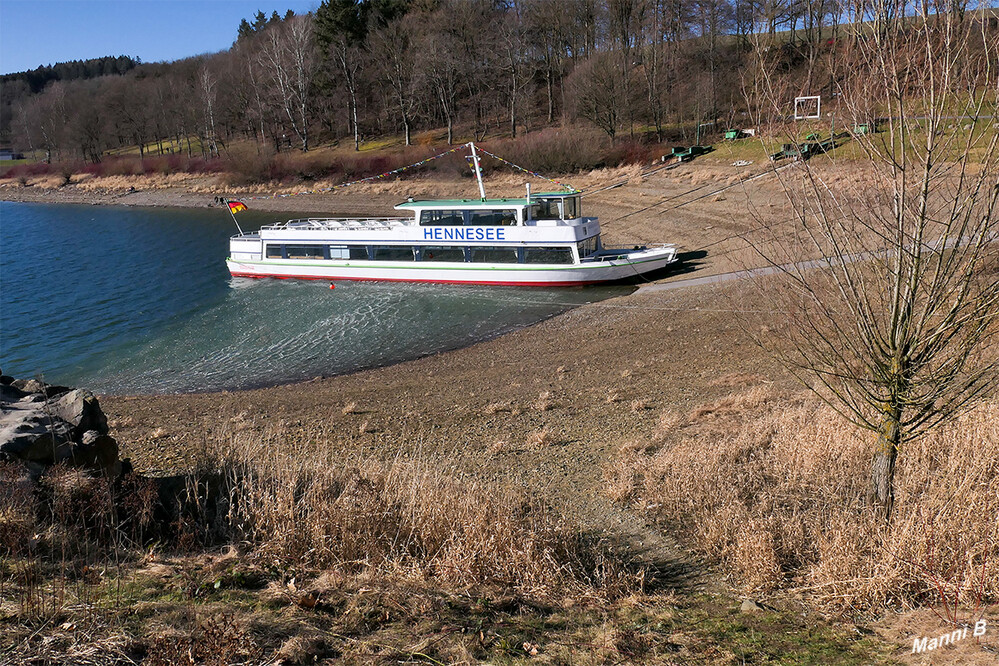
(544, 402)
(422, 520)
(737, 379)
(352, 408)
(543, 438)
(499, 446)
(499, 407)
(640, 405)
(774, 486)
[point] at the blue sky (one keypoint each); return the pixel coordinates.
(44, 32)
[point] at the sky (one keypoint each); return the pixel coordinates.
(44, 32)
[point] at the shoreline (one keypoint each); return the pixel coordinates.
(616, 345)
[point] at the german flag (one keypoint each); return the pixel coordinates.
(236, 206)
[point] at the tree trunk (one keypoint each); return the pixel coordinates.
(882, 491)
(513, 116)
(551, 97)
(353, 117)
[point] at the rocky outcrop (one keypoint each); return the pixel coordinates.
(43, 424)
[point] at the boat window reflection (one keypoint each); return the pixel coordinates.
(442, 253)
(494, 255)
(482, 218)
(395, 253)
(548, 255)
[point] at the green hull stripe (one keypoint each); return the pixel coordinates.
(421, 265)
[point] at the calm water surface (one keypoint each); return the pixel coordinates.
(138, 300)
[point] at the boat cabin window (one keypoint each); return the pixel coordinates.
(480, 218)
(275, 252)
(570, 208)
(441, 218)
(394, 253)
(348, 252)
(555, 209)
(304, 251)
(546, 209)
(548, 255)
(442, 253)
(588, 246)
(494, 255)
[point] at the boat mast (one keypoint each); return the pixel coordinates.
(478, 171)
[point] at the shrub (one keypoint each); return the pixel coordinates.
(28, 170)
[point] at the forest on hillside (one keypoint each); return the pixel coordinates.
(354, 70)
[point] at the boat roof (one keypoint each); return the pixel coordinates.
(484, 203)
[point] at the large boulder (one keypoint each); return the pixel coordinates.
(42, 424)
(80, 408)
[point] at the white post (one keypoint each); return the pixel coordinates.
(478, 171)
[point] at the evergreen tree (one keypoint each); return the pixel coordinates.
(245, 30)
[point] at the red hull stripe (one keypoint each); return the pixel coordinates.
(332, 278)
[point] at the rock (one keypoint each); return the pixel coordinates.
(42, 425)
(6, 379)
(98, 451)
(81, 408)
(53, 390)
(750, 606)
(10, 393)
(29, 385)
(27, 433)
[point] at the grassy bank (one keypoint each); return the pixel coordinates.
(280, 555)
(773, 486)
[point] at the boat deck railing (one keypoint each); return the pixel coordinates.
(340, 223)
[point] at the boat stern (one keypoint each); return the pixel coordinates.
(246, 247)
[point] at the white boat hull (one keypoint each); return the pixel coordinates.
(628, 265)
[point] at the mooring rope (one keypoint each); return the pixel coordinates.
(399, 170)
(533, 173)
(360, 180)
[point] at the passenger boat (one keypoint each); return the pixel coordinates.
(542, 239)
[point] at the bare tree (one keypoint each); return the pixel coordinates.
(391, 48)
(597, 90)
(516, 65)
(341, 27)
(208, 90)
(898, 325)
(443, 70)
(289, 53)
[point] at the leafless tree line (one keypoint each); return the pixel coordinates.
(367, 68)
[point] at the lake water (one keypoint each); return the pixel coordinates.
(138, 300)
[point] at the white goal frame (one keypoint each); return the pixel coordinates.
(801, 101)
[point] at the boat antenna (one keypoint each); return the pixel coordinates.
(478, 171)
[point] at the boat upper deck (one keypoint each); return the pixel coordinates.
(556, 216)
